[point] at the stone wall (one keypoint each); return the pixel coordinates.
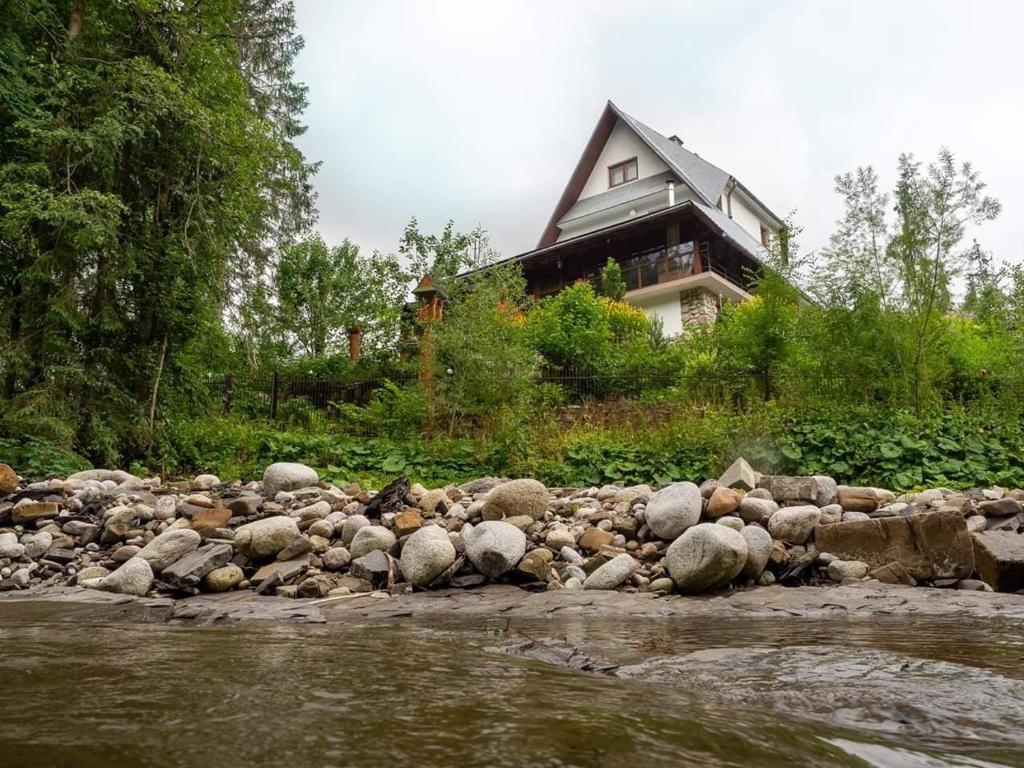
(698, 305)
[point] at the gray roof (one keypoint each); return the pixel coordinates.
(624, 193)
(707, 180)
(733, 231)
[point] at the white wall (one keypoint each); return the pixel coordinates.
(745, 217)
(622, 144)
(665, 307)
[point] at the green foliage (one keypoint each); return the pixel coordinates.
(36, 458)
(613, 286)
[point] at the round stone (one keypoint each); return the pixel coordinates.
(288, 476)
(426, 554)
(705, 557)
(673, 509)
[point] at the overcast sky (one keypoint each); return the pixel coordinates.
(478, 111)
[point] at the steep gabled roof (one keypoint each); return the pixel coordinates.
(707, 181)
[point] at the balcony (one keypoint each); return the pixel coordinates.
(659, 265)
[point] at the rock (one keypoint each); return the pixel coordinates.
(831, 513)
(336, 558)
(208, 520)
(371, 538)
(266, 537)
(494, 547)
(1004, 507)
(169, 546)
(570, 555)
(319, 585)
(8, 480)
(26, 511)
(759, 548)
(224, 578)
(205, 482)
(999, 556)
(135, 577)
(841, 570)
(977, 523)
(753, 509)
(315, 511)
(794, 524)
(852, 517)
(287, 476)
(973, 585)
(351, 526)
(300, 545)
(934, 545)
(377, 567)
(36, 546)
(189, 570)
(816, 489)
(612, 574)
(116, 476)
(407, 522)
(536, 564)
(245, 505)
(705, 557)
(863, 499)
(434, 502)
(739, 475)
(321, 528)
(723, 501)
(673, 509)
(92, 572)
(560, 537)
(279, 571)
(732, 522)
(10, 546)
(594, 538)
(516, 497)
(663, 585)
(426, 554)
(480, 485)
(893, 573)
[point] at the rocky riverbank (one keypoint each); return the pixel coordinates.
(292, 535)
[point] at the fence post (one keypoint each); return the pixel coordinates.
(273, 397)
(229, 391)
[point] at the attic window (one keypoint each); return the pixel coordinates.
(620, 173)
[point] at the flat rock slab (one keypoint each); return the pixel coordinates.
(933, 545)
(999, 556)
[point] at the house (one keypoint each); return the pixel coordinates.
(687, 234)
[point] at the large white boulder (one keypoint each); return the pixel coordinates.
(494, 547)
(369, 538)
(516, 498)
(705, 557)
(288, 476)
(426, 554)
(266, 537)
(169, 546)
(794, 524)
(673, 509)
(759, 548)
(135, 577)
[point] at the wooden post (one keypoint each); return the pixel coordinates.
(273, 396)
(355, 339)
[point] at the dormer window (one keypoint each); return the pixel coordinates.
(620, 173)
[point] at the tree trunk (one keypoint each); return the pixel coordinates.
(156, 387)
(76, 20)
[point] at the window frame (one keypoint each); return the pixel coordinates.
(623, 165)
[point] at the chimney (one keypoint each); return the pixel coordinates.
(355, 338)
(671, 192)
(676, 140)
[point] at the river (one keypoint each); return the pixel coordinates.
(885, 691)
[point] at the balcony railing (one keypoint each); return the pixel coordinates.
(659, 265)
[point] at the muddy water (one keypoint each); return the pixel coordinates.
(891, 691)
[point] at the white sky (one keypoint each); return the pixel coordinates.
(478, 111)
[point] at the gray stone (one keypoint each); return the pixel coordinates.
(739, 475)
(815, 489)
(288, 476)
(754, 509)
(494, 547)
(426, 554)
(351, 525)
(266, 537)
(794, 524)
(705, 557)
(371, 538)
(376, 567)
(10, 546)
(673, 509)
(612, 574)
(224, 578)
(169, 546)
(336, 558)
(841, 570)
(36, 546)
(999, 556)
(732, 522)
(759, 547)
(205, 482)
(190, 569)
(514, 498)
(135, 577)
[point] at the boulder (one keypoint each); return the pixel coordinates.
(753, 509)
(815, 489)
(759, 547)
(426, 554)
(135, 577)
(739, 475)
(673, 509)
(205, 482)
(934, 545)
(288, 476)
(723, 501)
(999, 556)
(794, 524)
(207, 521)
(1005, 507)
(536, 564)
(705, 557)
(189, 570)
(266, 537)
(371, 538)
(494, 547)
(224, 578)
(841, 570)
(516, 497)
(170, 546)
(612, 574)
(351, 526)
(863, 499)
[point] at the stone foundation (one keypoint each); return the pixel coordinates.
(698, 305)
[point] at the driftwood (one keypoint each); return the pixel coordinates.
(392, 498)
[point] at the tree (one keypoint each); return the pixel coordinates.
(323, 292)
(612, 284)
(446, 255)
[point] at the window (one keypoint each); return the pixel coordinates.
(620, 173)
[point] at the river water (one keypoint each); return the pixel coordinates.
(889, 691)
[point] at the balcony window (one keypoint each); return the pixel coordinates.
(658, 265)
(621, 173)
